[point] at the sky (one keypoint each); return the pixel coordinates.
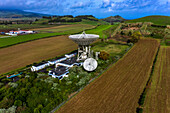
(128, 9)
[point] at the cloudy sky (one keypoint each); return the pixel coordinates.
(128, 9)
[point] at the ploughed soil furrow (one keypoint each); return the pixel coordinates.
(119, 88)
(20, 55)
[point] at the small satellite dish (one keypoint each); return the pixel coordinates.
(90, 64)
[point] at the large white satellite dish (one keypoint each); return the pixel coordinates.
(90, 64)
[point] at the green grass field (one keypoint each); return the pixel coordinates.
(4, 42)
(99, 30)
(158, 20)
(111, 47)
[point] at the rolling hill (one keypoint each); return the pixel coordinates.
(113, 19)
(15, 13)
(156, 19)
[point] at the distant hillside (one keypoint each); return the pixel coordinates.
(69, 19)
(10, 13)
(113, 19)
(156, 19)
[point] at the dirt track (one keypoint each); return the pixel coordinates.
(119, 88)
(23, 54)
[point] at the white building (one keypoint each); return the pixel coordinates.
(20, 32)
(44, 65)
(39, 67)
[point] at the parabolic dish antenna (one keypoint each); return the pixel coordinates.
(90, 64)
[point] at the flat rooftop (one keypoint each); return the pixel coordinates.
(59, 70)
(70, 61)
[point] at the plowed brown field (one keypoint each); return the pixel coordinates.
(119, 88)
(158, 96)
(23, 54)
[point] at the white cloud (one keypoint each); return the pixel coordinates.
(113, 4)
(110, 9)
(163, 1)
(30, 2)
(82, 5)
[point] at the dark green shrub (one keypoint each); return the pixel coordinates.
(139, 110)
(18, 103)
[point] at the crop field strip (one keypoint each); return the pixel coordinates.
(157, 99)
(119, 88)
(27, 53)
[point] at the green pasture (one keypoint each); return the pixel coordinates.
(4, 42)
(158, 20)
(111, 47)
(99, 30)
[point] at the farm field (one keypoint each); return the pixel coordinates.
(18, 56)
(24, 38)
(158, 20)
(119, 88)
(99, 30)
(157, 98)
(65, 28)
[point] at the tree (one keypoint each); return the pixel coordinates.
(104, 55)
(23, 92)
(135, 37)
(36, 110)
(18, 103)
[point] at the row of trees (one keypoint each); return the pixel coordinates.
(51, 17)
(65, 20)
(16, 22)
(69, 18)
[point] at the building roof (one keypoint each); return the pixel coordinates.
(70, 61)
(60, 70)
